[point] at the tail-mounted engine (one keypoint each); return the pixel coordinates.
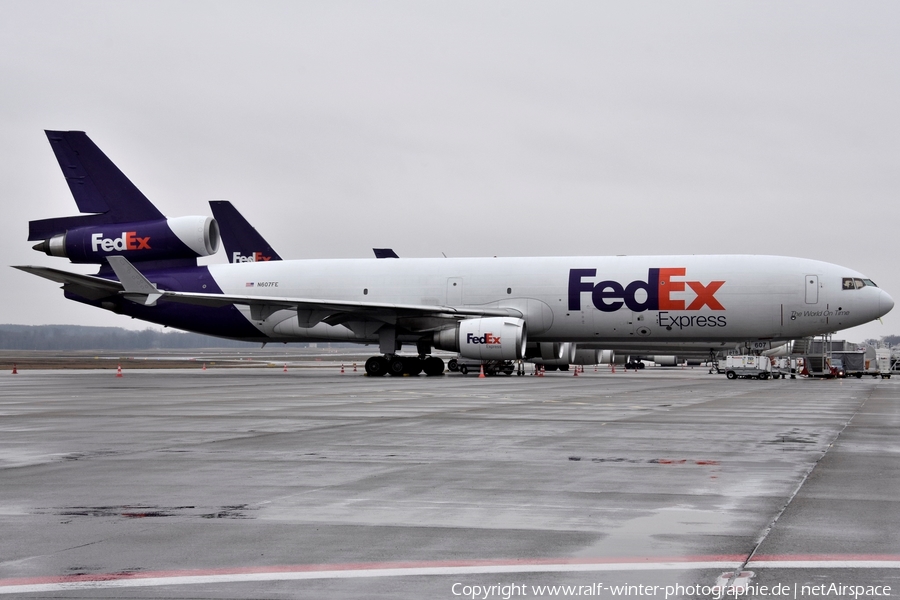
(166, 239)
(490, 338)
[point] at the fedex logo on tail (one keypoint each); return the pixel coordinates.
(237, 257)
(661, 284)
(128, 241)
(488, 338)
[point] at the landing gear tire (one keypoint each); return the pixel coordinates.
(433, 366)
(376, 366)
(464, 369)
(563, 367)
(414, 366)
(453, 365)
(396, 366)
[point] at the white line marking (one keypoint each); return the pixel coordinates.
(825, 564)
(306, 572)
(137, 581)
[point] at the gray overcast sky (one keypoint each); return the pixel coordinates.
(470, 128)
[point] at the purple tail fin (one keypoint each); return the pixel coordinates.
(384, 253)
(242, 242)
(98, 186)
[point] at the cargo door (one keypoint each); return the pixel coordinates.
(812, 289)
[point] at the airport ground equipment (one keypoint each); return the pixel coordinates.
(748, 366)
(817, 366)
(853, 363)
(491, 367)
(837, 368)
(783, 366)
(883, 362)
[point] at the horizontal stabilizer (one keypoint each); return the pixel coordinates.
(44, 229)
(88, 286)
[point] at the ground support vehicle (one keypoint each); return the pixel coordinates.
(784, 367)
(837, 368)
(491, 367)
(817, 366)
(748, 366)
(854, 363)
(883, 362)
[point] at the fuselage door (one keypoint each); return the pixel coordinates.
(812, 289)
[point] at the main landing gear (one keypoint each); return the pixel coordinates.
(404, 365)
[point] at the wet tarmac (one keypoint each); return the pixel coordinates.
(260, 483)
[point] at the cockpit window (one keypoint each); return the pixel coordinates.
(855, 283)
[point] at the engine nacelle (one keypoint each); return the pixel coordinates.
(550, 351)
(555, 354)
(181, 237)
(665, 360)
(490, 338)
(579, 356)
(587, 357)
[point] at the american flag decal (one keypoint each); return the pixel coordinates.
(249, 284)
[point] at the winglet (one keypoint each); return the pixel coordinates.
(137, 287)
(384, 253)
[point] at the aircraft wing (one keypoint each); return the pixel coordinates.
(135, 287)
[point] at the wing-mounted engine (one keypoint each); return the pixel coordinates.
(489, 338)
(551, 351)
(164, 239)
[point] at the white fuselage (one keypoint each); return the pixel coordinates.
(599, 299)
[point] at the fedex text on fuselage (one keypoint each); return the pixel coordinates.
(660, 285)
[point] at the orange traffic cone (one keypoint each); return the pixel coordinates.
(204, 366)
(285, 367)
(119, 371)
(354, 367)
(576, 371)
(15, 371)
(481, 375)
(342, 368)
(613, 367)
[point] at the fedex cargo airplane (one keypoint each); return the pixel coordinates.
(488, 309)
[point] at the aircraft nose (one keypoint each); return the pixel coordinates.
(885, 303)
